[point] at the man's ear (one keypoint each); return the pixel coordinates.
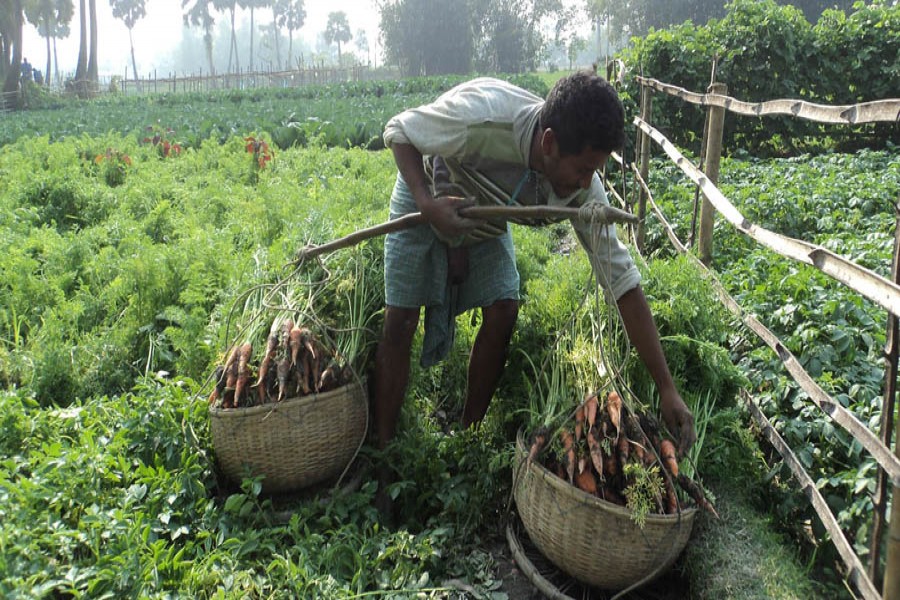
(548, 142)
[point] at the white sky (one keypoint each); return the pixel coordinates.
(160, 31)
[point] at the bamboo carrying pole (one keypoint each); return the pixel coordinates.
(713, 157)
(602, 216)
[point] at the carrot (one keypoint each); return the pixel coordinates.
(590, 409)
(596, 451)
(265, 363)
(230, 378)
(569, 447)
(283, 372)
(328, 380)
(243, 371)
(671, 498)
(218, 376)
(623, 449)
(539, 440)
(696, 492)
(579, 422)
(667, 455)
(586, 482)
(614, 408)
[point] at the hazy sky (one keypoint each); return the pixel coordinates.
(157, 34)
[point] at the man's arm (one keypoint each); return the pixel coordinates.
(440, 212)
(644, 336)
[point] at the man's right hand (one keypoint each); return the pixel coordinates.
(443, 214)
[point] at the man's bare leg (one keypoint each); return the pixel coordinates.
(488, 358)
(392, 360)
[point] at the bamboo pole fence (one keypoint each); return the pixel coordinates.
(884, 292)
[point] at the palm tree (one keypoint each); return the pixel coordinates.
(252, 5)
(130, 11)
(81, 67)
(51, 18)
(289, 14)
(198, 13)
(337, 30)
(93, 74)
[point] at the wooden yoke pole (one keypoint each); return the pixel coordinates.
(599, 215)
(713, 157)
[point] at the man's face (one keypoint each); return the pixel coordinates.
(567, 174)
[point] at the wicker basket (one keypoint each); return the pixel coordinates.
(593, 540)
(295, 443)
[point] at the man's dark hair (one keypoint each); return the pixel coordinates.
(584, 111)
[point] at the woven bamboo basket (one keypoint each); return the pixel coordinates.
(295, 443)
(593, 540)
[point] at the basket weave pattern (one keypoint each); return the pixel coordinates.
(593, 540)
(295, 443)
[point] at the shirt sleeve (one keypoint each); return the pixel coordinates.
(433, 129)
(612, 263)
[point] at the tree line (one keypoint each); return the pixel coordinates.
(421, 37)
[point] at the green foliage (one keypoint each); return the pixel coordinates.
(765, 51)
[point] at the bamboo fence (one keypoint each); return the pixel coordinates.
(884, 292)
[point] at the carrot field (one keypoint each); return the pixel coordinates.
(129, 267)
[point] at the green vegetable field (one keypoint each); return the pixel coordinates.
(140, 237)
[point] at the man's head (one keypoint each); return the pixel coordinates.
(584, 111)
(581, 123)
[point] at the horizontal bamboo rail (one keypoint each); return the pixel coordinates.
(871, 285)
(857, 574)
(877, 111)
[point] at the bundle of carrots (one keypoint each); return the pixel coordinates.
(608, 448)
(294, 363)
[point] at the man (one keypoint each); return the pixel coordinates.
(490, 142)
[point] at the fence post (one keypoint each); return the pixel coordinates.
(713, 157)
(891, 587)
(644, 141)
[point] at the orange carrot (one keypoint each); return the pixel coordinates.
(283, 372)
(593, 440)
(243, 371)
(537, 444)
(328, 380)
(667, 455)
(671, 498)
(614, 408)
(696, 492)
(586, 482)
(264, 365)
(590, 409)
(569, 447)
(219, 377)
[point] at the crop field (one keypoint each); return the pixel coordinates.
(141, 238)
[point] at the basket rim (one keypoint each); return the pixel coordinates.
(580, 495)
(296, 401)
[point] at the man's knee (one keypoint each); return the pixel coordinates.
(399, 325)
(501, 314)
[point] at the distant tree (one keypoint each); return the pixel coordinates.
(81, 67)
(198, 13)
(510, 32)
(289, 14)
(93, 61)
(361, 41)
(51, 18)
(12, 21)
(253, 5)
(412, 41)
(337, 30)
(130, 12)
(230, 6)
